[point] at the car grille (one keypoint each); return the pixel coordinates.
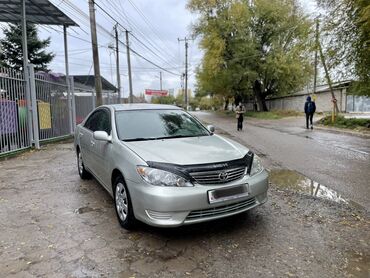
(204, 213)
(218, 176)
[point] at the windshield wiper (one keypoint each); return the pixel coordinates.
(160, 138)
(180, 136)
(140, 139)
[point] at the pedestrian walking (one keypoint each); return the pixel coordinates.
(309, 109)
(239, 116)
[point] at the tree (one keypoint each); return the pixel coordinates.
(259, 47)
(12, 53)
(347, 33)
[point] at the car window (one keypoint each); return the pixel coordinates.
(157, 124)
(99, 121)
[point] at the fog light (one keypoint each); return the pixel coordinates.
(156, 215)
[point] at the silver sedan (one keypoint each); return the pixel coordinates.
(164, 168)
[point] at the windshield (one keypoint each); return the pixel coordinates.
(139, 125)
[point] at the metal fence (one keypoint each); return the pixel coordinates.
(13, 111)
(53, 110)
(358, 104)
(41, 109)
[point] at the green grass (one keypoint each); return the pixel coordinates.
(341, 122)
(270, 115)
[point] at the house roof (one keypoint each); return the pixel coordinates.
(37, 12)
(89, 80)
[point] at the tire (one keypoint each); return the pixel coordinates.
(123, 204)
(84, 174)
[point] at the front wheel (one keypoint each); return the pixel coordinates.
(123, 205)
(84, 174)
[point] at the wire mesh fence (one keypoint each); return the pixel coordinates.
(13, 111)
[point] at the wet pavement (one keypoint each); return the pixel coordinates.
(52, 224)
(339, 161)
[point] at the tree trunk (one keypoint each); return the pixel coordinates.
(226, 103)
(261, 98)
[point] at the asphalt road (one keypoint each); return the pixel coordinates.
(340, 162)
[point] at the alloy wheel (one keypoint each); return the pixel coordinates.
(121, 201)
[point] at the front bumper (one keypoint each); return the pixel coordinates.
(173, 206)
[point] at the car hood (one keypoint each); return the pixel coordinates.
(190, 150)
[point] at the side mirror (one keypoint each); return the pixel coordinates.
(211, 128)
(102, 136)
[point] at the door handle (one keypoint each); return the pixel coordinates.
(92, 143)
(81, 134)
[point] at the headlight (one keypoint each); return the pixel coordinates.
(256, 166)
(161, 178)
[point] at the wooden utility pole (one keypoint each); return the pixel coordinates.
(117, 64)
(335, 104)
(318, 46)
(95, 53)
(316, 58)
(186, 71)
(131, 98)
(160, 80)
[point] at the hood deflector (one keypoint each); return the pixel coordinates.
(185, 170)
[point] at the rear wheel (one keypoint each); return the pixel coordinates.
(84, 174)
(123, 205)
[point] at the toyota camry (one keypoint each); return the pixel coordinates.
(165, 168)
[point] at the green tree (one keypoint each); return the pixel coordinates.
(164, 100)
(347, 35)
(12, 53)
(259, 47)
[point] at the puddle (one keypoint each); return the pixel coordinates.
(291, 180)
(86, 209)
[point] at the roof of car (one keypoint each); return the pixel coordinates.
(142, 106)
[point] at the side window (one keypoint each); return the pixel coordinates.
(104, 122)
(91, 122)
(99, 121)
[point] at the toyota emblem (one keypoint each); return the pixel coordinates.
(223, 176)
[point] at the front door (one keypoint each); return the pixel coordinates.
(101, 150)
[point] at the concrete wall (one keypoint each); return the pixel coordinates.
(296, 102)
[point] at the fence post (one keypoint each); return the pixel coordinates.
(34, 120)
(72, 86)
(93, 98)
(69, 102)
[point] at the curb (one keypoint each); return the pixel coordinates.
(342, 131)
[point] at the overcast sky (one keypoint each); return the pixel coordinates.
(155, 25)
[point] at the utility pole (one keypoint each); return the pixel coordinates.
(334, 100)
(117, 64)
(186, 71)
(131, 98)
(95, 52)
(160, 80)
(316, 58)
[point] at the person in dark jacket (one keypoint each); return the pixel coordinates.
(239, 116)
(309, 109)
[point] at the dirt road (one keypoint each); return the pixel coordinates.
(52, 224)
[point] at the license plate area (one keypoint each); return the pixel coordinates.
(221, 195)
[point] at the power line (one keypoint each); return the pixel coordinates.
(116, 21)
